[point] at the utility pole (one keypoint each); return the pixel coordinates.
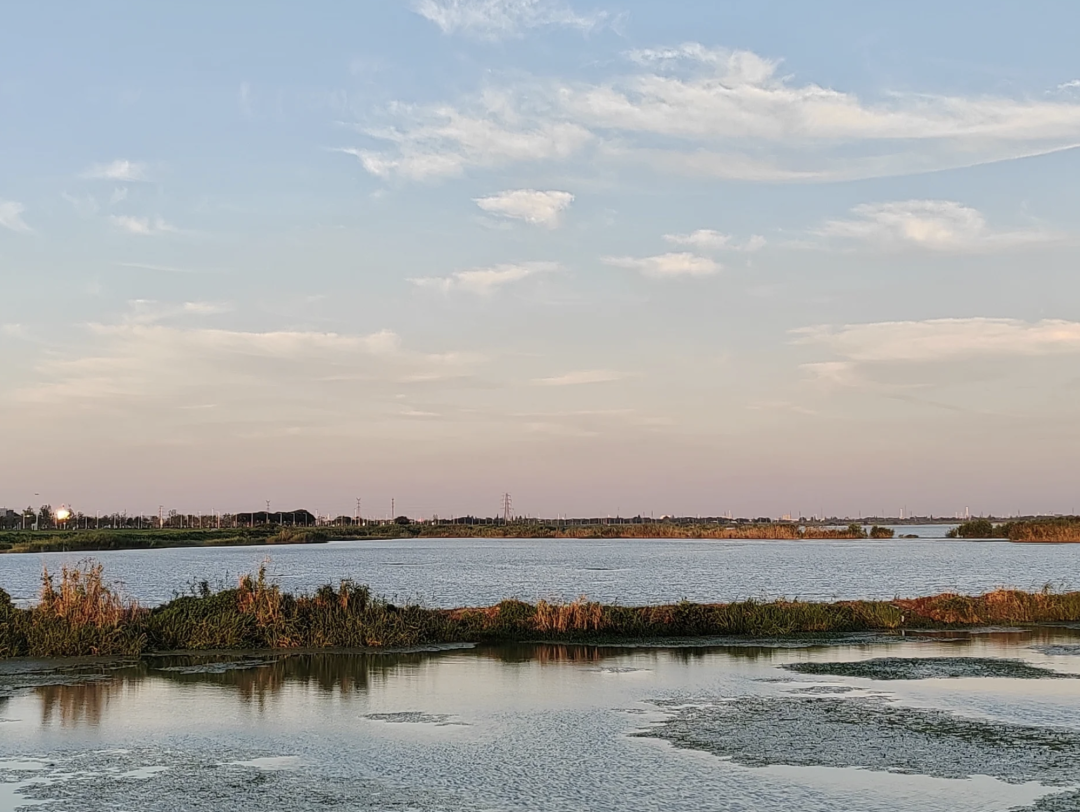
(508, 507)
(393, 508)
(358, 510)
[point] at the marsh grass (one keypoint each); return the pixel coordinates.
(17, 541)
(80, 614)
(1061, 530)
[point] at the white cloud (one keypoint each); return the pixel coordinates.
(581, 376)
(718, 113)
(667, 265)
(438, 141)
(119, 170)
(148, 311)
(530, 205)
(499, 19)
(161, 268)
(11, 216)
(485, 281)
(708, 241)
(936, 225)
(944, 339)
(84, 206)
(290, 373)
(142, 226)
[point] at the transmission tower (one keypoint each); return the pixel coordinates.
(508, 508)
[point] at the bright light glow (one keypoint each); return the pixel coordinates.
(63, 514)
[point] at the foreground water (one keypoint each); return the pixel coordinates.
(959, 722)
(457, 572)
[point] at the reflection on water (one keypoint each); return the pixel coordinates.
(72, 705)
(551, 727)
(254, 679)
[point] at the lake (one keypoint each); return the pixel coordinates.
(458, 572)
(953, 722)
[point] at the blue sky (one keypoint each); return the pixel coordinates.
(612, 258)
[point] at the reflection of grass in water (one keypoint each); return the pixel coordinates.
(73, 705)
(870, 733)
(903, 668)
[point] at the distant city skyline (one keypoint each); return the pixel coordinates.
(610, 257)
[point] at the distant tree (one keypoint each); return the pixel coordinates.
(45, 520)
(404, 521)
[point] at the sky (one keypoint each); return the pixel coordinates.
(613, 258)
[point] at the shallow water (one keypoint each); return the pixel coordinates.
(549, 727)
(457, 572)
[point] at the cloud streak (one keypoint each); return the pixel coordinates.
(707, 240)
(138, 361)
(11, 216)
(485, 281)
(529, 205)
(118, 170)
(665, 266)
(581, 376)
(502, 19)
(933, 225)
(716, 113)
(142, 226)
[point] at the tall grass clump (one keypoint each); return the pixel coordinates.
(1063, 529)
(80, 614)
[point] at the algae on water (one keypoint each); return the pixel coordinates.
(897, 668)
(873, 734)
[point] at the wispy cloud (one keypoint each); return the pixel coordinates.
(11, 216)
(708, 241)
(136, 361)
(667, 265)
(145, 266)
(500, 19)
(143, 226)
(530, 205)
(860, 348)
(148, 311)
(935, 225)
(944, 339)
(581, 376)
(485, 281)
(431, 142)
(716, 113)
(118, 170)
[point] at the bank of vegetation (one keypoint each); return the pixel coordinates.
(87, 541)
(1063, 529)
(79, 614)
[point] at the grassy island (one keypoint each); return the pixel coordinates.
(1058, 530)
(87, 541)
(80, 614)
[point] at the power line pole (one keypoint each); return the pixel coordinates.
(508, 507)
(358, 510)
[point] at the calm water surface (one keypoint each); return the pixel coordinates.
(457, 572)
(549, 728)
